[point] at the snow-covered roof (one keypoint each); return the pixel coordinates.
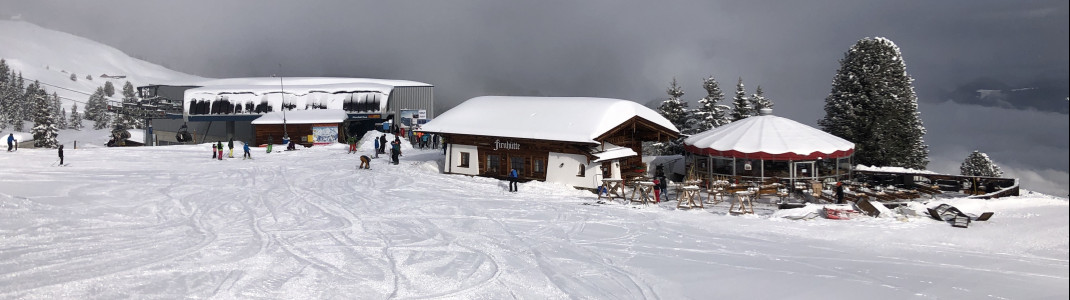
(891, 169)
(572, 119)
(303, 117)
(769, 137)
(296, 81)
(614, 153)
(326, 92)
(210, 91)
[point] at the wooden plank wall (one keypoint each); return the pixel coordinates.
(298, 132)
(529, 150)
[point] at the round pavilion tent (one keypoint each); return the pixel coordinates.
(767, 146)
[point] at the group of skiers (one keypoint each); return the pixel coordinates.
(380, 148)
(217, 150)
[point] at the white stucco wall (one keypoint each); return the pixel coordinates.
(452, 166)
(563, 168)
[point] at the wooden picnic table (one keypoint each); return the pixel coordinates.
(744, 201)
(645, 191)
(687, 196)
(614, 188)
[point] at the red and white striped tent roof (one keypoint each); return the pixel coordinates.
(768, 137)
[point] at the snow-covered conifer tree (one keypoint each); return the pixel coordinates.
(59, 114)
(709, 114)
(676, 112)
(673, 108)
(62, 121)
(97, 110)
(741, 105)
(109, 89)
(758, 100)
(18, 103)
(873, 104)
(979, 164)
(76, 118)
(5, 95)
(44, 126)
(130, 99)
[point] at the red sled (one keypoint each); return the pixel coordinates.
(840, 214)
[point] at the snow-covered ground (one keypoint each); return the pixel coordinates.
(169, 222)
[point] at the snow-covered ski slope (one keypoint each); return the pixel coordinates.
(169, 222)
(51, 57)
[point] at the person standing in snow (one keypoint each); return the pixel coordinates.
(376, 147)
(512, 180)
(269, 144)
(352, 144)
(219, 146)
(214, 151)
(247, 155)
(61, 154)
(230, 146)
(839, 192)
(395, 151)
(382, 144)
(10, 141)
(657, 191)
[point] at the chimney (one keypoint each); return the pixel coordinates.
(765, 112)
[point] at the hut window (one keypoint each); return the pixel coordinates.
(517, 163)
(493, 164)
(465, 156)
(538, 166)
(582, 173)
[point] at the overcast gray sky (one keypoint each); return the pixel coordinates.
(631, 50)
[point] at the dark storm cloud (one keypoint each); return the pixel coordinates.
(618, 49)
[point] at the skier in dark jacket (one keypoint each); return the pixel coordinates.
(219, 147)
(61, 155)
(382, 144)
(10, 141)
(214, 151)
(230, 146)
(839, 192)
(247, 155)
(395, 151)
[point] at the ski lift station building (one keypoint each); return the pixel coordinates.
(314, 109)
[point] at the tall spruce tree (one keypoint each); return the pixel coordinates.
(44, 125)
(979, 164)
(97, 110)
(741, 105)
(5, 96)
(130, 100)
(673, 108)
(75, 121)
(109, 88)
(59, 113)
(873, 104)
(758, 100)
(18, 105)
(676, 112)
(62, 121)
(709, 113)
